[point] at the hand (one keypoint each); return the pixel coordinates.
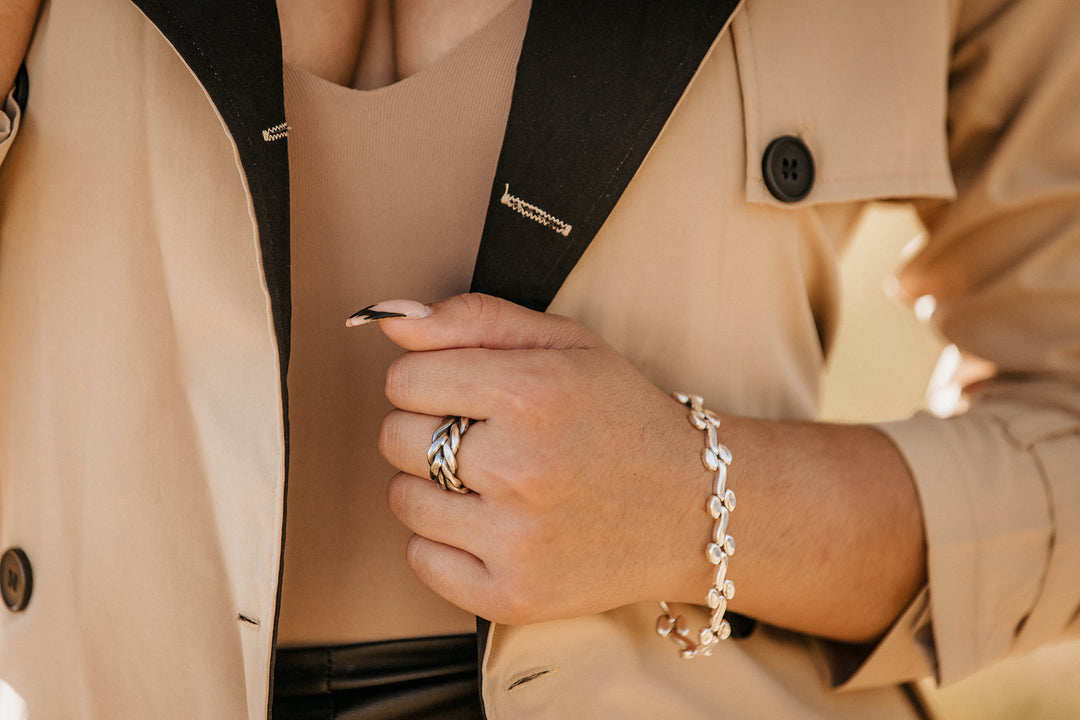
(588, 487)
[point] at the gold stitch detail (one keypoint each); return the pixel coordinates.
(276, 133)
(534, 213)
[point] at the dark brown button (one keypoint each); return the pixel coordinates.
(788, 168)
(16, 579)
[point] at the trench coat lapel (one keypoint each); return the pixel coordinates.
(234, 48)
(595, 83)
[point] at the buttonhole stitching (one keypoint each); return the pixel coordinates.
(534, 213)
(279, 131)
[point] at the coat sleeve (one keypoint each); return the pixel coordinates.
(999, 483)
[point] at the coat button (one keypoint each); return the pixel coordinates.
(16, 579)
(788, 168)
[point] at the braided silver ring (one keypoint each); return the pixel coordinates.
(441, 455)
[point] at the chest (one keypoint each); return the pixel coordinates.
(372, 43)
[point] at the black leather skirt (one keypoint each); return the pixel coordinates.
(394, 680)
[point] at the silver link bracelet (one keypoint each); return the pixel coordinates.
(720, 505)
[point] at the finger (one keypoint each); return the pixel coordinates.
(439, 515)
(483, 321)
(474, 382)
(404, 440)
(455, 575)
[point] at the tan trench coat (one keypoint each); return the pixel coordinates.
(141, 436)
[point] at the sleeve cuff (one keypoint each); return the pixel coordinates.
(987, 520)
(905, 654)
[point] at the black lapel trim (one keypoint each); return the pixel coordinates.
(595, 84)
(234, 48)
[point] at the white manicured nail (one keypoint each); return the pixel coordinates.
(389, 309)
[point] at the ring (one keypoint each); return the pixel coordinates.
(441, 455)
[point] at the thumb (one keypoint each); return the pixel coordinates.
(481, 321)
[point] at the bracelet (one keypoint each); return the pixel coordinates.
(721, 503)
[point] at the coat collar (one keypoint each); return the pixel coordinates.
(595, 84)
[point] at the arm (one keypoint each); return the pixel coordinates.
(828, 522)
(16, 23)
(998, 483)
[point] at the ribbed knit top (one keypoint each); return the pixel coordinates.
(389, 193)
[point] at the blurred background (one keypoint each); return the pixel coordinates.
(880, 369)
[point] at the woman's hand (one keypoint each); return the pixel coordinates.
(588, 490)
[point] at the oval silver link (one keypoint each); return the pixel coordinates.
(715, 506)
(715, 553)
(729, 545)
(729, 589)
(729, 500)
(709, 459)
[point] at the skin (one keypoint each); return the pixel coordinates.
(16, 24)
(589, 490)
(371, 43)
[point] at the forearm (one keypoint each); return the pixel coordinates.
(16, 23)
(828, 527)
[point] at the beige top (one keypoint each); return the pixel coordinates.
(389, 193)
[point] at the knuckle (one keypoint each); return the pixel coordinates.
(535, 395)
(414, 555)
(386, 438)
(389, 440)
(398, 378)
(562, 333)
(395, 495)
(410, 504)
(483, 310)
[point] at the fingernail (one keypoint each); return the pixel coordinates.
(389, 309)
